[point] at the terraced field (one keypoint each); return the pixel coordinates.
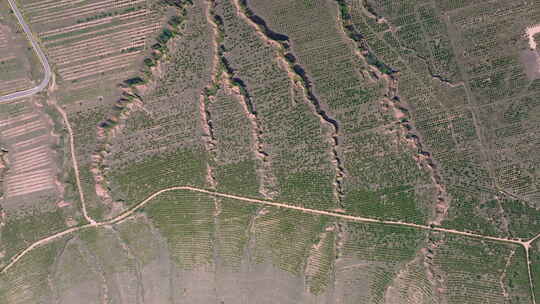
(93, 46)
(28, 139)
(535, 271)
(297, 160)
(33, 201)
(283, 250)
(163, 135)
(368, 137)
(459, 132)
(488, 271)
(249, 151)
(90, 42)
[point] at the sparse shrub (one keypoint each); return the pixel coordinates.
(165, 36)
(134, 81)
(149, 62)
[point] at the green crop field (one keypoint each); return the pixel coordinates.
(285, 151)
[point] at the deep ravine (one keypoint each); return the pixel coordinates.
(287, 56)
(423, 157)
(225, 77)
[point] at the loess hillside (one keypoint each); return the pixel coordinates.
(284, 151)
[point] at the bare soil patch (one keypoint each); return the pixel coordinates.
(531, 62)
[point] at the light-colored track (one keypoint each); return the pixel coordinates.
(121, 217)
(75, 164)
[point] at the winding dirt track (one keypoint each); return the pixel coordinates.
(75, 166)
(129, 212)
(92, 223)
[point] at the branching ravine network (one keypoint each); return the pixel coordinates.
(126, 214)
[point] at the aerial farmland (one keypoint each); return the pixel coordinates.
(285, 151)
(19, 69)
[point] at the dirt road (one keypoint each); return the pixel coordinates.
(129, 212)
(75, 165)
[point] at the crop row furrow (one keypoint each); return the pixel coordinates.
(98, 53)
(85, 25)
(94, 65)
(296, 68)
(84, 10)
(37, 6)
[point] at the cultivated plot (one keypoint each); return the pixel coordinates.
(310, 151)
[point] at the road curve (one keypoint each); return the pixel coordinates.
(39, 53)
(126, 214)
(351, 218)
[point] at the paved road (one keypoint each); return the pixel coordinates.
(39, 53)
